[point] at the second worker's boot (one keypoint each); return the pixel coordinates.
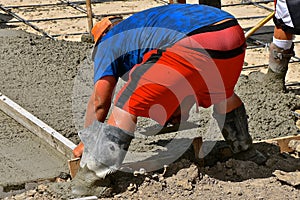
(86, 183)
(278, 66)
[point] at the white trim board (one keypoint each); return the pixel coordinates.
(36, 126)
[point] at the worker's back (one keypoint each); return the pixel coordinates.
(156, 28)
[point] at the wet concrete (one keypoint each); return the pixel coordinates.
(24, 158)
(38, 73)
(269, 112)
(27, 76)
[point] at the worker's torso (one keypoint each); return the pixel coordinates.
(125, 45)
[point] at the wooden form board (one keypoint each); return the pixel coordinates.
(282, 142)
(36, 126)
(73, 165)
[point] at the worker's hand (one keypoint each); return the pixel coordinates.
(77, 151)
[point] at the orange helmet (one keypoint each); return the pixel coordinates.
(103, 26)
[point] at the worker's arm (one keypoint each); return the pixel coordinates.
(100, 100)
(122, 119)
(98, 105)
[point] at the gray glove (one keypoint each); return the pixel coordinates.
(105, 147)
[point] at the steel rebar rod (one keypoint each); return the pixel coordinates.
(35, 5)
(251, 17)
(162, 1)
(293, 84)
(256, 42)
(69, 34)
(51, 4)
(245, 3)
(263, 33)
(255, 66)
(256, 46)
(44, 20)
(266, 65)
(261, 6)
(25, 21)
(74, 6)
(263, 65)
(64, 18)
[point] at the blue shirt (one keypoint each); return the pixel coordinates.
(125, 44)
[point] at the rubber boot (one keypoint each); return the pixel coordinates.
(234, 128)
(87, 183)
(278, 66)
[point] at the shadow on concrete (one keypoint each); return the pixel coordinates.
(4, 18)
(219, 166)
(262, 35)
(236, 171)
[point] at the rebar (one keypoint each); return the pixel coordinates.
(51, 4)
(44, 20)
(25, 21)
(255, 42)
(247, 3)
(73, 5)
(66, 18)
(261, 6)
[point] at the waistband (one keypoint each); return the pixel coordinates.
(280, 24)
(217, 27)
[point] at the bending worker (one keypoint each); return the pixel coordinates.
(287, 24)
(173, 57)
